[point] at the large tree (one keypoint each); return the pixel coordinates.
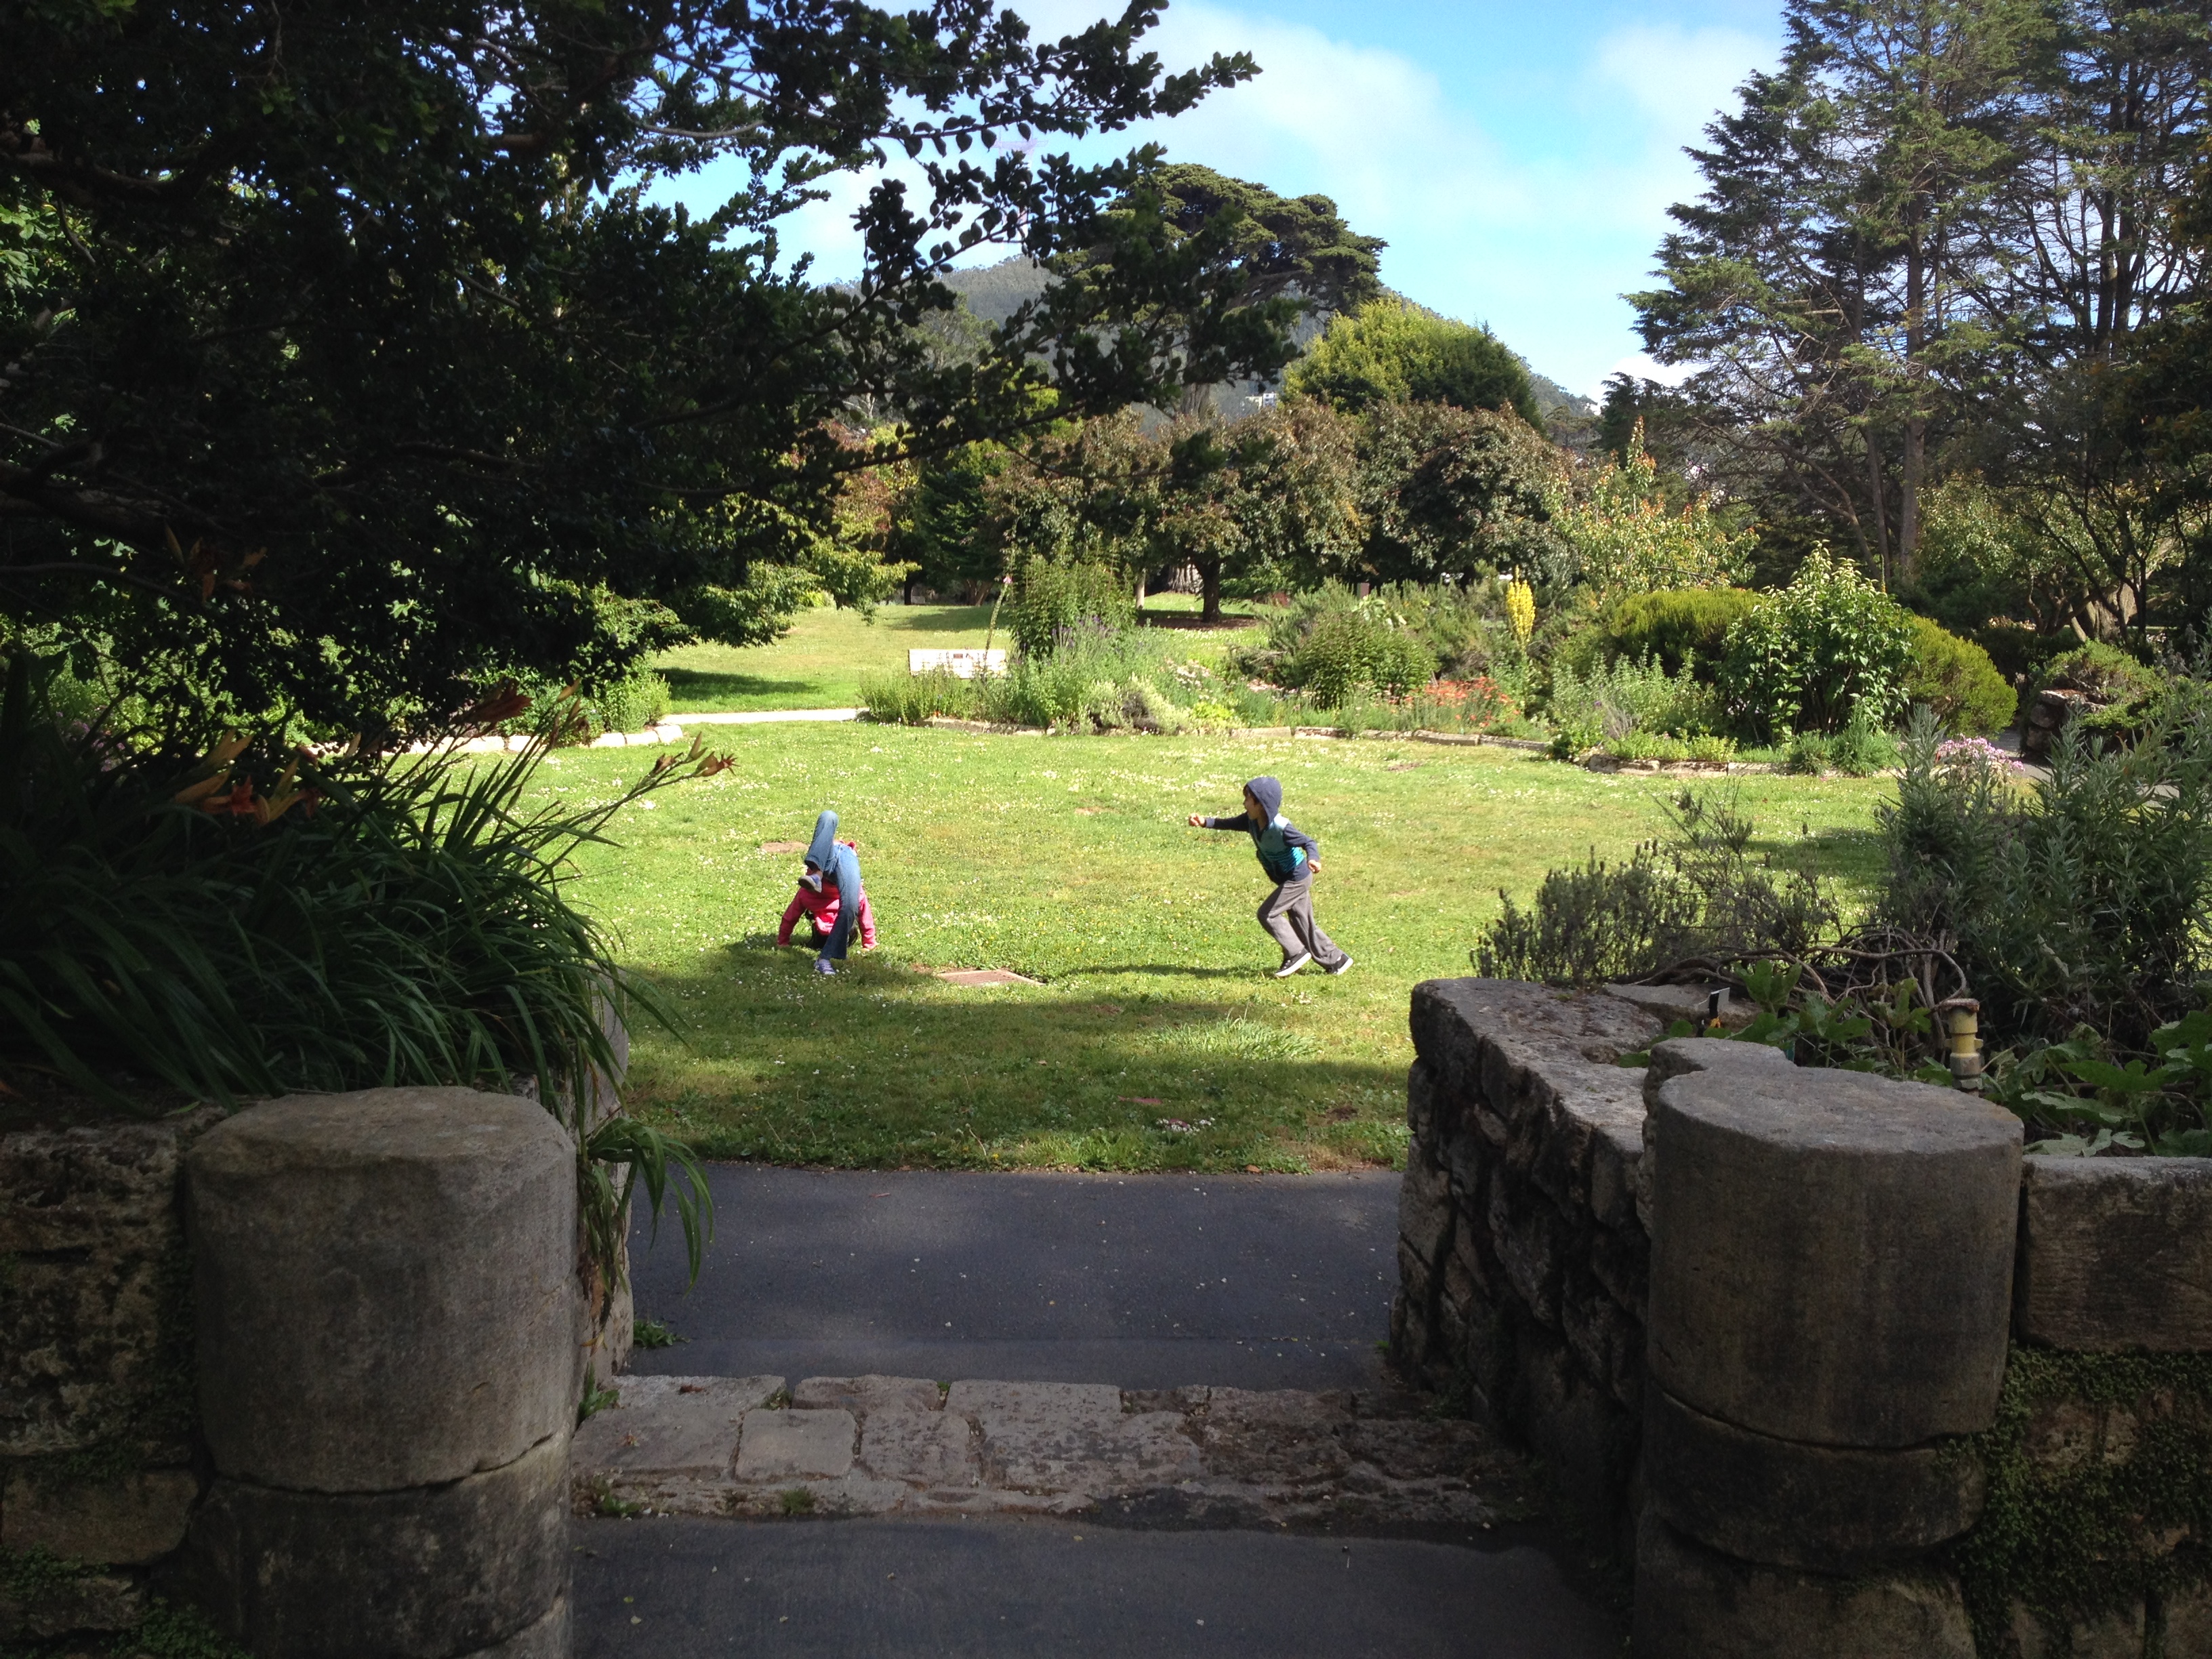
(347, 358)
(1391, 351)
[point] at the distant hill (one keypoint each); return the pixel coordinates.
(993, 293)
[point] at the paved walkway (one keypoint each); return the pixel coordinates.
(1140, 1281)
(980, 1589)
(1198, 1286)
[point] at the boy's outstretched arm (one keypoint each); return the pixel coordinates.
(1200, 821)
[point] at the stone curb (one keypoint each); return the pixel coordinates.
(903, 1446)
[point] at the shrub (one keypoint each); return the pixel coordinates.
(364, 920)
(628, 704)
(1695, 894)
(1957, 680)
(1804, 659)
(1347, 651)
(2101, 672)
(2079, 903)
(1629, 697)
(757, 612)
(854, 577)
(1088, 682)
(911, 699)
(1859, 750)
(1051, 598)
(1678, 627)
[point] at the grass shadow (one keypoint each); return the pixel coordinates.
(693, 683)
(880, 1066)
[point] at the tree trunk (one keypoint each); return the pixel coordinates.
(1209, 572)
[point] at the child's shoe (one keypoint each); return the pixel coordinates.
(1340, 967)
(1294, 964)
(823, 965)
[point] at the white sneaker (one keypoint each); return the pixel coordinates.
(1294, 964)
(1340, 967)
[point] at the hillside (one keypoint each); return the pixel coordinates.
(994, 292)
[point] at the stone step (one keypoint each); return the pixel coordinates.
(908, 1446)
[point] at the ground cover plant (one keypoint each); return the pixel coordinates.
(1155, 1039)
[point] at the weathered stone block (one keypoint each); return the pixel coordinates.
(1586, 1438)
(1824, 1508)
(411, 1248)
(684, 1426)
(1424, 1208)
(925, 1446)
(1694, 1603)
(1621, 1260)
(1274, 1438)
(1607, 1342)
(1421, 1102)
(550, 1638)
(2187, 1610)
(1058, 1436)
(92, 1227)
(1616, 1149)
(420, 1574)
(1531, 1239)
(96, 1601)
(2117, 1634)
(127, 1522)
(1832, 1260)
(1680, 1056)
(796, 1445)
(869, 1393)
(2116, 1254)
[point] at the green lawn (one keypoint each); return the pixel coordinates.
(1067, 859)
(819, 663)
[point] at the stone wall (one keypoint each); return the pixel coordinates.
(1982, 1426)
(1522, 1259)
(104, 1459)
(98, 1468)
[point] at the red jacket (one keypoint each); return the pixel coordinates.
(822, 906)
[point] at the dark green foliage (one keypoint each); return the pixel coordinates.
(1696, 893)
(1956, 678)
(2079, 903)
(940, 525)
(2075, 1537)
(757, 612)
(363, 362)
(1394, 351)
(1444, 492)
(1675, 627)
(1350, 651)
(362, 921)
(2102, 671)
(1803, 659)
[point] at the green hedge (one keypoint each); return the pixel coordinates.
(1957, 680)
(1675, 626)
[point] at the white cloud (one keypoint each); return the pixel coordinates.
(1535, 228)
(1641, 366)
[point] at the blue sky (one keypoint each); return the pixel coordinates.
(1519, 158)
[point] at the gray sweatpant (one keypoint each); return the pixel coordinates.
(1287, 915)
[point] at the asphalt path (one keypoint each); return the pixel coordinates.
(977, 1589)
(1144, 1281)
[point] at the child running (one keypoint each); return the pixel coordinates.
(831, 896)
(1290, 858)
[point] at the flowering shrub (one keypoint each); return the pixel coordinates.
(1977, 753)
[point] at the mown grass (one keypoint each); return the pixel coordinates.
(1067, 859)
(818, 665)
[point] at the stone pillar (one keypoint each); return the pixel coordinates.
(386, 1285)
(1831, 1275)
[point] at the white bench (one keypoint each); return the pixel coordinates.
(962, 664)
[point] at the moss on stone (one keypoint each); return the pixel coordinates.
(2099, 1466)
